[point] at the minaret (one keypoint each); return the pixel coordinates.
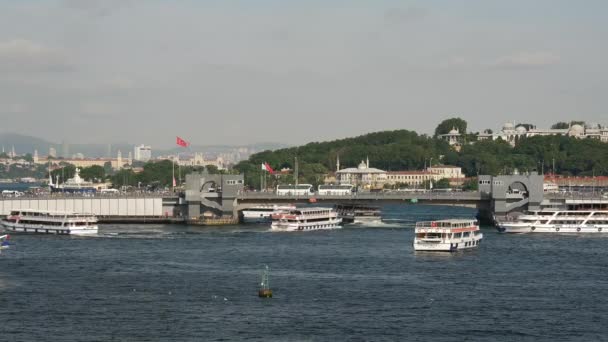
(130, 159)
(13, 154)
(35, 157)
(119, 160)
(367, 162)
(337, 163)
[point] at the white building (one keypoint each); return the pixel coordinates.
(452, 137)
(512, 134)
(362, 176)
(142, 153)
(199, 160)
(446, 171)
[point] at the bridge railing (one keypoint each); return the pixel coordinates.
(429, 195)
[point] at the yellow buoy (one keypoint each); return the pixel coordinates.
(265, 291)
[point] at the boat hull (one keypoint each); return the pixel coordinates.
(297, 227)
(519, 228)
(448, 245)
(42, 229)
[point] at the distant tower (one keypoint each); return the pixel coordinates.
(119, 160)
(130, 159)
(367, 162)
(35, 157)
(13, 154)
(338, 163)
(65, 149)
(52, 152)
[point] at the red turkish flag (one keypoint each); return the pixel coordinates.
(181, 142)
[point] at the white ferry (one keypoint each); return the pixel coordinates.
(447, 235)
(306, 219)
(263, 213)
(50, 222)
(359, 214)
(557, 221)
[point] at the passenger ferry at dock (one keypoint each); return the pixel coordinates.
(557, 221)
(50, 222)
(304, 219)
(447, 235)
(263, 213)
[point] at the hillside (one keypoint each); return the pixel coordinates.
(406, 150)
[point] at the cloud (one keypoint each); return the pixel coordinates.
(526, 60)
(25, 55)
(399, 16)
(96, 8)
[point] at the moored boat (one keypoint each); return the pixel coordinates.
(263, 213)
(556, 221)
(73, 185)
(50, 222)
(358, 214)
(447, 235)
(305, 219)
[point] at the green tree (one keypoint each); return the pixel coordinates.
(107, 168)
(93, 173)
(212, 169)
(560, 125)
(443, 183)
(447, 125)
(470, 184)
(64, 173)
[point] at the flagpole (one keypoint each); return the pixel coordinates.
(173, 173)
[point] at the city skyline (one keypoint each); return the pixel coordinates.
(220, 73)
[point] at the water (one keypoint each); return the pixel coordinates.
(178, 283)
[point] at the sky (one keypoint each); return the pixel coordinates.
(241, 72)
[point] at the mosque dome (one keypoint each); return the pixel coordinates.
(521, 129)
(507, 126)
(576, 130)
(454, 131)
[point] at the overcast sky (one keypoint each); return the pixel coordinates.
(237, 72)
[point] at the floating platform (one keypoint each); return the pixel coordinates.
(219, 221)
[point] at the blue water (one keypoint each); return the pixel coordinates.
(178, 283)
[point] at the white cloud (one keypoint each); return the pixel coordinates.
(526, 60)
(25, 55)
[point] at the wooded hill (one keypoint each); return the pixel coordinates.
(406, 150)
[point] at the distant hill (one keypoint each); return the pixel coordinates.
(27, 144)
(24, 144)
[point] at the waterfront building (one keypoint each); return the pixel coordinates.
(414, 179)
(417, 179)
(362, 176)
(116, 163)
(142, 153)
(446, 171)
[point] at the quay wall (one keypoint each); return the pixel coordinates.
(148, 206)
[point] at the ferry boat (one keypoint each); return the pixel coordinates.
(73, 185)
(50, 222)
(447, 235)
(263, 213)
(304, 219)
(358, 213)
(557, 221)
